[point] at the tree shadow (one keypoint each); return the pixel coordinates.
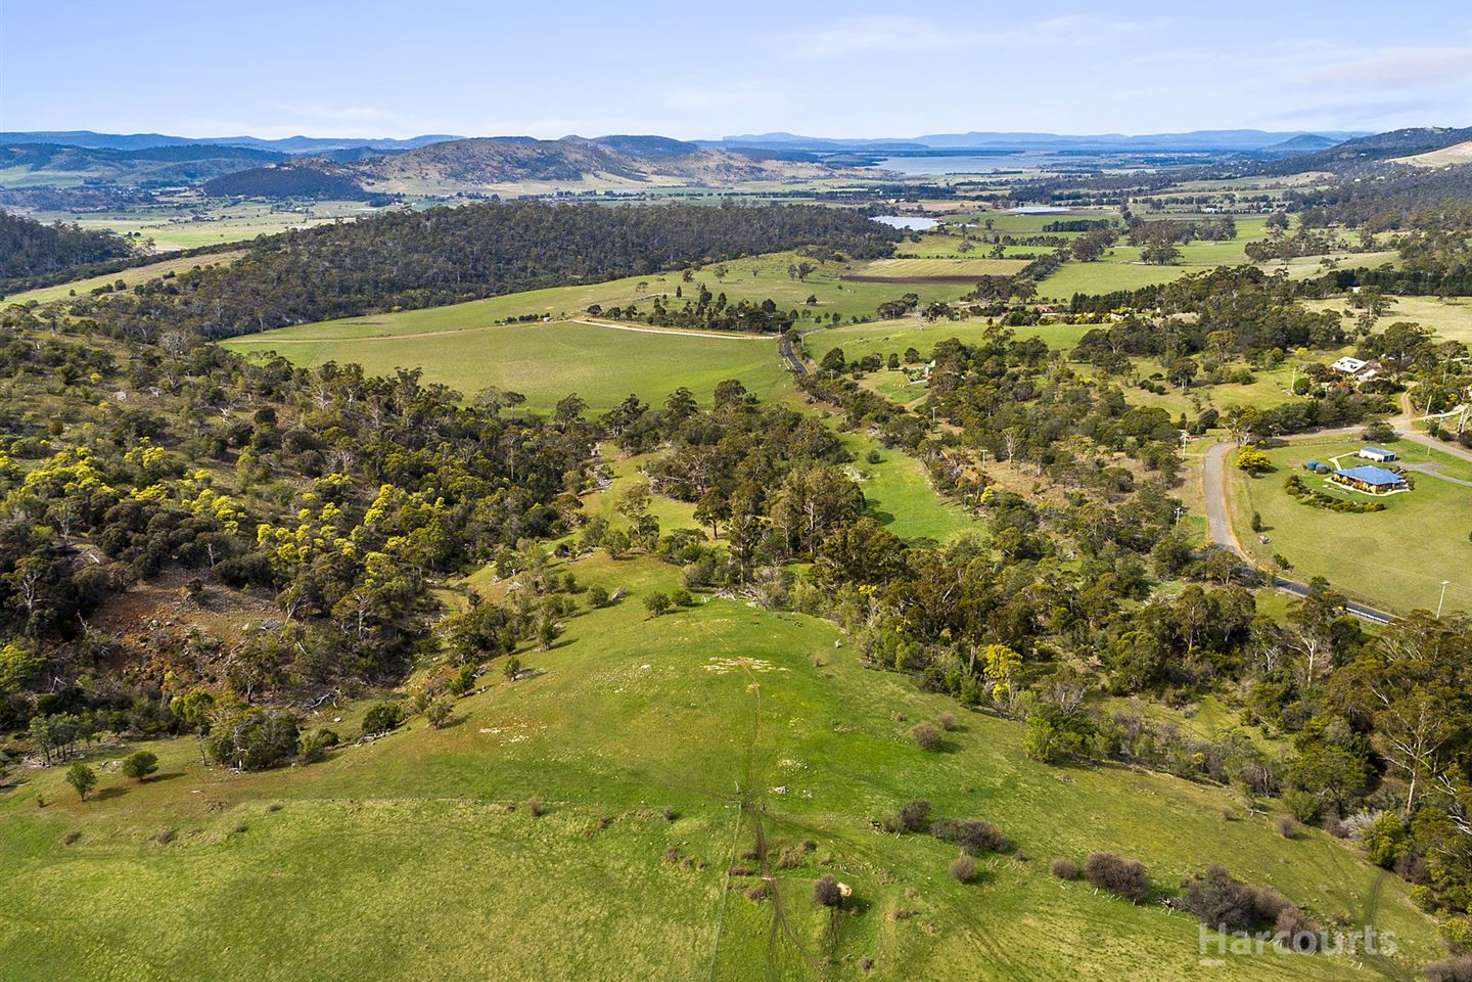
(107, 794)
(171, 775)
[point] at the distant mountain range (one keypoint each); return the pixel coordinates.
(36, 162)
(1203, 140)
(143, 141)
(1221, 140)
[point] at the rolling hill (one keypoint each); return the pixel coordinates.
(288, 181)
(57, 165)
(609, 161)
(1457, 153)
(1374, 149)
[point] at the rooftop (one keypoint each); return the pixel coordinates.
(1376, 476)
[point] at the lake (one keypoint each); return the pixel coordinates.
(910, 223)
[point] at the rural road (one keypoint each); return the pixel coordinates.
(717, 335)
(1219, 522)
(790, 356)
(1218, 505)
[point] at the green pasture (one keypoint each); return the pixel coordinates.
(130, 277)
(1450, 318)
(1396, 558)
(463, 348)
(202, 223)
(648, 743)
(921, 268)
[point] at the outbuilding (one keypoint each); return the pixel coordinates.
(1378, 454)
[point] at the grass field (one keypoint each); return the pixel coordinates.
(1396, 558)
(1450, 318)
(417, 855)
(130, 277)
(939, 267)
(1121, 268)
(463, 347)
(458, 347)
(209, 223)
(885, 337)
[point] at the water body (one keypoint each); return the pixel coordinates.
(935, 166)
(910, 223)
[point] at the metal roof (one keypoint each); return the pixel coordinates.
(1377, 476)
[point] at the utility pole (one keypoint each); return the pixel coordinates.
(1443, 598)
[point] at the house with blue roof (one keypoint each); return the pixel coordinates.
(1370, 480)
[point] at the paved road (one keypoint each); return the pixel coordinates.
(1405, 425)
(790, 356)
(1219, 521)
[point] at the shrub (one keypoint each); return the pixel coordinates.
(139, 764)
(913, 816)
(1064, 869)
(513, 668)
(438, 713)
(1122, 877)
(826, 892)
(972, 834)
(254, 740)
(1302, 805)
(680, 597)
(382, 717)
(963, 868)
(926, 736)
(657, 603)
(947, 722)
(1253, 461)
(1226, 904)
(1384, 838)
(462, 681)
(597, 596)
(1288, 826)
(1458, 934)
(535, 806)
(312, 747)
(1450, 970)
(82, 779)
(1295, 931)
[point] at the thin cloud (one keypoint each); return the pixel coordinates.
(1358, 113)
(1399, 68)
(915, 35)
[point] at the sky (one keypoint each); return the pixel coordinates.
(703, 70)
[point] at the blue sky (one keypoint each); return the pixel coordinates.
(693, 69)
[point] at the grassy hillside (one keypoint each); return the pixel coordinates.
(1450, 318)
(544, 362)
(463, 346)
(418, 854)
(200, 223)
(130, 277)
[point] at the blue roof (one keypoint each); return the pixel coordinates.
(1373, 475)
